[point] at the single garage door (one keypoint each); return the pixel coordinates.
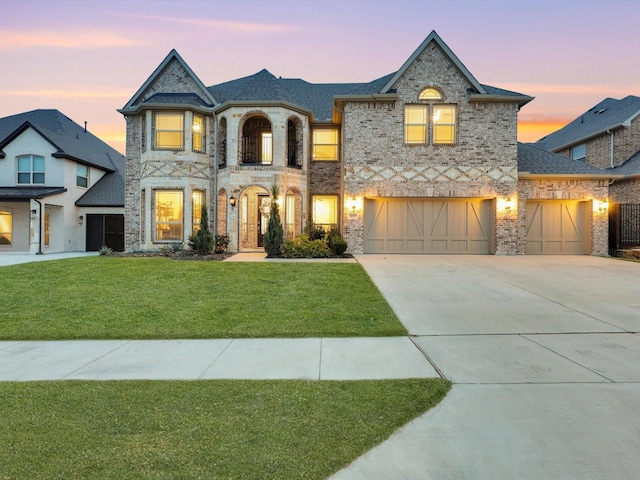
(556, 227)
(442, 226)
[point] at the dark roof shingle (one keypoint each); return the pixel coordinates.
(606, 115)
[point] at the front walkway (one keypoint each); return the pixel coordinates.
(255, 359)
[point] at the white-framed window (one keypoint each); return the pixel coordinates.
(415, 123)
(198, 133)
(325, 144)
(82, 176)
(31, 169)
(6, 228)
(325, 211)
(197, 200)
(444, 124)
(169, 134)
(169, 215)
(430, 120)
(579, 152)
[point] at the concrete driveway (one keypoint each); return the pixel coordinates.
(545, 359)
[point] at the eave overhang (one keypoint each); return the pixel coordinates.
(521, 100)
(567, 176)
(135, 110)
(260, 103)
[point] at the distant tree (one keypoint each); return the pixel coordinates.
(274, 236)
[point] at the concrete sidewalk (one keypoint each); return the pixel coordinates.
(255, 359)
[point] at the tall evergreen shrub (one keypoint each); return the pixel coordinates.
(274, 236)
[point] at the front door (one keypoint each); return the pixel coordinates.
(264, 204)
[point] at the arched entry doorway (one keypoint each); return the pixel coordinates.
(253, 217)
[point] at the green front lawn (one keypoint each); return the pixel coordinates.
(142, 298)
(204, 429)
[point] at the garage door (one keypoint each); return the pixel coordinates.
(443, 226)
(556, 228)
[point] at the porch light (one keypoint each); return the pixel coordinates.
(603, 205)
(80, 220)
(353, 204)
(33, 214)
(508, 205)
(232, 201)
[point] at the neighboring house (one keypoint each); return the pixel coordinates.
(608, 136)
(423, 160)
(61, 188)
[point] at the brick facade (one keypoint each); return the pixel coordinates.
(375, 160)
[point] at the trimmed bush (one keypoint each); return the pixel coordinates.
(303, 247)
(336, 242)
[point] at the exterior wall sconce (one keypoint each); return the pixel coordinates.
(80, 220)
(33, 214)
(353, 204)
(602, 205)
(508, 205)
(232, 201)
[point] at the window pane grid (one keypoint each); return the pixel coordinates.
(31, 169)
(169, 131)
(325, 145)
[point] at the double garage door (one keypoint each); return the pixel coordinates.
(465, 226)
(442, 226)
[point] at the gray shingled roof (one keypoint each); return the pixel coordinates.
(25, 193)
(629, 167)
(316, 97)
(264, 86)
(72, 142)
(606, 115)
(536, 161)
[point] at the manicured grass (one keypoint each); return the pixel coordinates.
(203, 429)
(108, 298)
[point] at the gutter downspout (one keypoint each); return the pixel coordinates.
(39, 228)
(611, 148)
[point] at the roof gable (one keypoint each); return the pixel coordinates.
(435, 38)
(172, 66)
(68, 138)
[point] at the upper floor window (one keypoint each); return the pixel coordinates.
(6, 227)
(325, 144)
(31, 169)
(430, 93)
(442, 125)
(257, 141)
(579, 152)
(198, 133)
(82, 176)
(169, 131)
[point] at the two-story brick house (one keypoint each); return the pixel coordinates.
(423, 160)
(61, 187)
(607, 136)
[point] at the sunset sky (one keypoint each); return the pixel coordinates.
(87, 58)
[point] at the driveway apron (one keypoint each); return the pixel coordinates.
(545, 359)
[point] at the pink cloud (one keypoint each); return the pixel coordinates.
(77, 40)
(232, 26)
(71, 92)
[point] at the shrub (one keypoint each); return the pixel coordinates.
(176, 247)
(221, 243)
(202, 241)
(314, 232)
(106, 251)
(303, 247)
(336, 242)
(274, 236)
